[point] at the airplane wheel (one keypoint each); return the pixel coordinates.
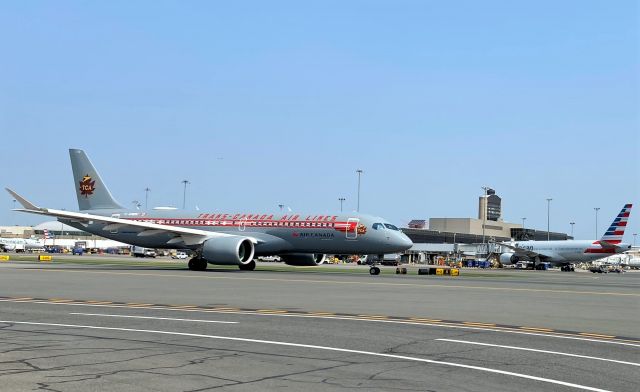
(196, 264)
(248, 267)
(374, 271)
(192, 264)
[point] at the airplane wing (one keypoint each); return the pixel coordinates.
(180, 234)
(522, 251)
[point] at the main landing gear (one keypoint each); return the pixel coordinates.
(197, 264)
(567, 268)
(248, 267)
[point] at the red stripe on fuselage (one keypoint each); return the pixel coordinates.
(601, 250)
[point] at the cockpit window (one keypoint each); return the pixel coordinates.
(377, 226)
(391, 227)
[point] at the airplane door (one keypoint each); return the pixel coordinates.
(243, 224)
(352, 228)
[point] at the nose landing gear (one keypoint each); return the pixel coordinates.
(373, 270)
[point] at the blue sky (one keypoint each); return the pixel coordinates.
(259, 103)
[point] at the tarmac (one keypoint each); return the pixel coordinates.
(114, 325)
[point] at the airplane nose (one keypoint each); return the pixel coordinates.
(403, 241)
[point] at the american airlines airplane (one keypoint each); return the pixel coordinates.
(222, 238)
(20, 244)
(565, 253)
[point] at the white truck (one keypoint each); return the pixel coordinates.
(139, 251)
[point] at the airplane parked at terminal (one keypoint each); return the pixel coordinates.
(564, 253)
(222, 238)
(20, 244)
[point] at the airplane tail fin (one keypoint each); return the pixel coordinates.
(615, 232)
(91, 191)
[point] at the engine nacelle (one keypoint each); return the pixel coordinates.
(304, 259)
(228, 250)
(508, 259)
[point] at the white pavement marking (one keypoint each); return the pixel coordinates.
(408, 322)
(540, 351)
(155, 318)
(340, 282)
(344, 350)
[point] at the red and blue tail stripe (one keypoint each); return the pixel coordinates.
(614, 233)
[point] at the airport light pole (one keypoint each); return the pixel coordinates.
(634, 238)
(548, 216)
(596, 210)
(341, 199)
(14, 207)
(281, 206)
(572, 223)
(184, 193)
(359, 171)
(146, 197)
(523, 219)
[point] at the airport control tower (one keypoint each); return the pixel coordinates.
(492, 205)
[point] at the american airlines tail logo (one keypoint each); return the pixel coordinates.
(87, 186)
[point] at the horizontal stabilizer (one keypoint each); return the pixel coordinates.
(606, 244)
(25, 203)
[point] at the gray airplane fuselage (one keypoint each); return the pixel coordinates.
(277, 233)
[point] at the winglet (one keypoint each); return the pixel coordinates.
(25, 203)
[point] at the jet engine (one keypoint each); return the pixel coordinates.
(303, 259)
(508, 258)
(228, 250)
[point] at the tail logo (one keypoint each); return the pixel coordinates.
(87, 186)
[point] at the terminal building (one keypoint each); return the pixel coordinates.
(447, 236)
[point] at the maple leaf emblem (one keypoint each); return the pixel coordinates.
(87, 186)
(362, 229)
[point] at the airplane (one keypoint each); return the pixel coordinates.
(565, 253)
(20, 244)
(222, 238)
